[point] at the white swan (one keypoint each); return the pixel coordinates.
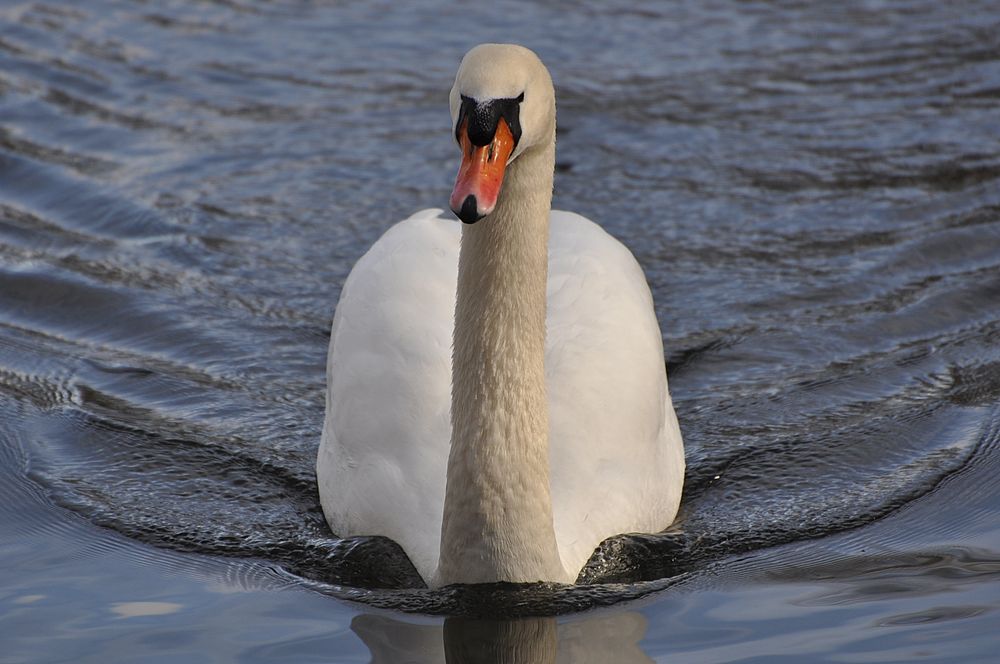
(503, 433)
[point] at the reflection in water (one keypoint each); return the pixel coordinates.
(476, 641)
(610, 638)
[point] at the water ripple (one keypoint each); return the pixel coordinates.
(810, 188)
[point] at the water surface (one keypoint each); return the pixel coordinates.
(813, 191)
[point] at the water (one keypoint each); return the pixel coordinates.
(811, 188)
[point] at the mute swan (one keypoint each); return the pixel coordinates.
(496, 394)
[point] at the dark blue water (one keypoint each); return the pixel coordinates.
(812, 189)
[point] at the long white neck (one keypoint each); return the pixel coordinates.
(498, 509)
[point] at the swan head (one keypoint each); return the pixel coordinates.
(502, 105)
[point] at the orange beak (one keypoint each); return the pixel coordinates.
(481, 173)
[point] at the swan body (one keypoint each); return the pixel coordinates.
(496, 394)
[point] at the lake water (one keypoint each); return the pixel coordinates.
(813, 190)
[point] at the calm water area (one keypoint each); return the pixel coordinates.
(813, 190)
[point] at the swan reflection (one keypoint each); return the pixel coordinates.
(610, 638)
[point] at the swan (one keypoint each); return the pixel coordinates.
(497, 397)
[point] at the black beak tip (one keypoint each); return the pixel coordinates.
(469, 214)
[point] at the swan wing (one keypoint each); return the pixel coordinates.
(384, 450)
(617, 461)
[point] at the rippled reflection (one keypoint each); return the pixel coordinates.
(612, 638)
